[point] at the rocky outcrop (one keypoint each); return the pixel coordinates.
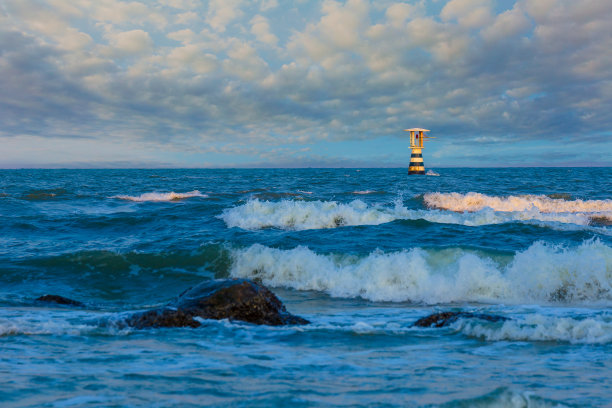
(443, 319)
(238, 299)
(60, 300)
(600, 220)
(234, 299)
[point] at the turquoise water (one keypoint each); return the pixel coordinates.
(362, 253)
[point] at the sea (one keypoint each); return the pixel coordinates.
(361, 253)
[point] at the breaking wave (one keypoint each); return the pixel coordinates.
(542, 273)
(171, 196)
(365, 192)
(506, 398)
(544, 204)
(46, 322)
(303, 215)
(537, 327)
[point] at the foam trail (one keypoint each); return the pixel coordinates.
(537, 327)
(365, 192)
(542, 273)
(13, 323)
(171, 196)
(544, 204)
(302, 215)
(506, 398)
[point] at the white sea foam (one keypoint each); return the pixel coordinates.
(171, 196)
(431, 173)
(364, 192)
(507, 398)
(542, 273)
(14, 323)
(299, 215)
(302, 215)
(544, 204)
(537, 327)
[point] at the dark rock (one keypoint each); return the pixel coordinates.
(237, 299)
(443, 319)
(600, 220)
(60, 300)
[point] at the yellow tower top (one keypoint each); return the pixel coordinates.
(416, 137)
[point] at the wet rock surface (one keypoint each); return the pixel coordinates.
(238, 299)
(60, 300)
(600, 221)
(443, 319)
(233, 299)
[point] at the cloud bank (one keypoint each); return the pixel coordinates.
(233, 82)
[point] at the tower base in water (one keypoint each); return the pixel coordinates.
(416, 162)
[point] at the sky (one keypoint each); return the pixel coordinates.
(273, 83)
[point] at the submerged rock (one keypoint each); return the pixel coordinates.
(443, 319)
(600, 220)
(60, 300)
(238, 299)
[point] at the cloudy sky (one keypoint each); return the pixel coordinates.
(274, 83)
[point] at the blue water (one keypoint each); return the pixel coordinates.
(362, 253)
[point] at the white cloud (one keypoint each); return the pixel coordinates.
(185, 36)
(268, 5)
(398, 13)
(245, 63)
(193, 57)
(507, 25)
(260, 27)
(223, 12)
(187, 18)
(133, 42)
(468, 13)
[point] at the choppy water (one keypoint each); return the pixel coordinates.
(361, 253)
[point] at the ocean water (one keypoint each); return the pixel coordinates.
(362, 253)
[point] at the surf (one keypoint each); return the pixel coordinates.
(543, 273)
(155, 196)
(306, 215)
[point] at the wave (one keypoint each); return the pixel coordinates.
(365, 192)
(542, 273)
(304, 215)
(40, 322)
(506, 398)
(544, 204)
(431, 173)
(171, 196)
(44, 194)
(537, 327)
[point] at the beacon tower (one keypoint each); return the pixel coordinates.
(416, 144)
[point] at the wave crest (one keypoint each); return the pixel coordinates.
(303, 215)
(537, 327)
(299, 215)
(541, 273)
(171, 196)
(476, 202)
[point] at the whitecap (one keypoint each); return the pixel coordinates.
(155, 196)
(544, 204)
(364, 192)
(303, 215)
(537, 327)
(543, 273)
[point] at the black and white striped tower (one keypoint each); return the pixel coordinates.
(417, 166)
